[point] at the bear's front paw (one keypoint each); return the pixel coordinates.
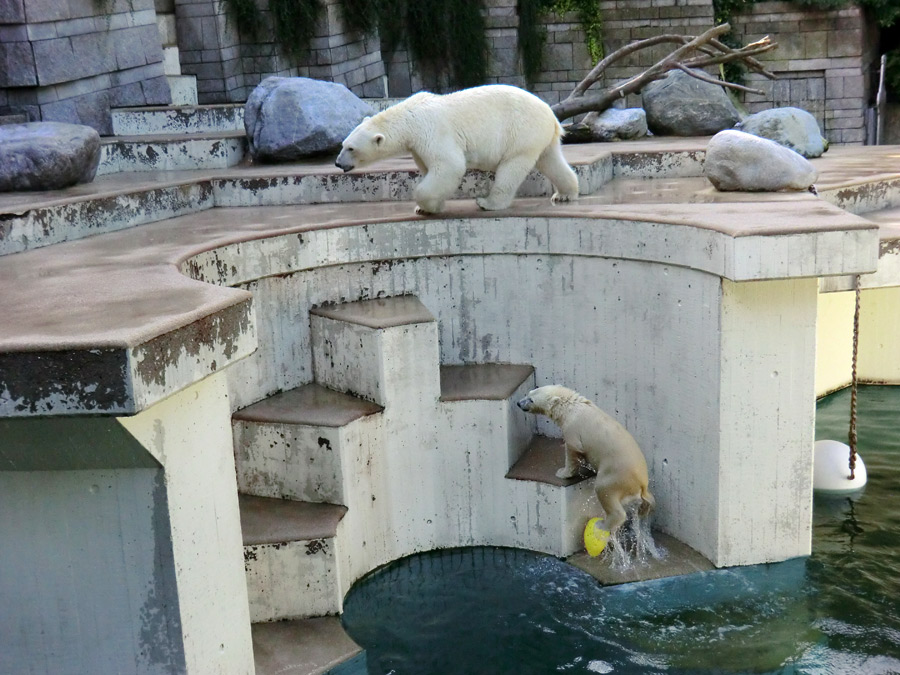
(565, 473)
(422, 212)
(558, 198)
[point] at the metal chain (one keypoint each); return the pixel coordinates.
(853, 383)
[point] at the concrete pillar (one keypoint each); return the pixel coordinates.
(764, 464)
(189, 433)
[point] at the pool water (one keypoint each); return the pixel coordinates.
(493, 611)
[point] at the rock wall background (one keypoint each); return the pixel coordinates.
(71, 61)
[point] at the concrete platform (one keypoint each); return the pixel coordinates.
(678, 559)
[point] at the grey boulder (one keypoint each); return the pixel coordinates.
(793, 128)
(738, 161)
(287, 118)
(681, 105)
(618, 124)
(47, 155)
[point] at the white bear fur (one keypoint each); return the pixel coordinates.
(607, 446)
(493, 128)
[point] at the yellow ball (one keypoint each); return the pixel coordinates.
(595, 537)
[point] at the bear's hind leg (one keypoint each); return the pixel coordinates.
(553, 165)
(436, 187)
(507, 179)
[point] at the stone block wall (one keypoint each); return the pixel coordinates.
(229, 65)
(823, 61)
(70, 61)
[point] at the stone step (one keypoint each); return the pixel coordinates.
(485, 395)
(382, 350)
(542, 459)
(317, 646)
(218, 150)
(549, 513)
(199, 119)
(291, 558)
(292, 445)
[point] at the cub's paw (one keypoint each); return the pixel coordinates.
(487, 204)
(558, 198)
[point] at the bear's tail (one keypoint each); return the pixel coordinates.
(648, 502)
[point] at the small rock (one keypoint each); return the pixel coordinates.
(47, 155)
(618, 124)
(791, 127)
(736, 160)
(681, 105)
(287, 118)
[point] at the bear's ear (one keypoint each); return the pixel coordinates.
(379, 139)
(553, 401)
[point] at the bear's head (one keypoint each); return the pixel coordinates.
(361, 147)
(543, 400)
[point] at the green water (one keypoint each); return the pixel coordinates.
(495, 611)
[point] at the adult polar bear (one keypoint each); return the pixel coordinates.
(495, 127)
(590, 433)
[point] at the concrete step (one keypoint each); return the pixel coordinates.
(291, 558)
(292, 445)
(542, 459)
(382, 350)
(198, 119)
(484, 395)
(549, 512)
(317, 646)
(171, 153)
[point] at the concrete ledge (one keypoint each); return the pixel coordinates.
(274, 521)
(482, 381)
(540, 462)
(311, 404)
(399, 310)
(130, 295)
(304, 647)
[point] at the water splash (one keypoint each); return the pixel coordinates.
(633, 544)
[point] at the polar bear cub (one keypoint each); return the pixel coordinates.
(495, 127)
(607, 446)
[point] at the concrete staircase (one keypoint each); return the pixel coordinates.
(335, 475)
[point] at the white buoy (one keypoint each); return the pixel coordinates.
(831, 468)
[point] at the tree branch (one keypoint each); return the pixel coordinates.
(694, 52)
(700, 75)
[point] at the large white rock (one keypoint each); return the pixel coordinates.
(793, 128)
(738, 161)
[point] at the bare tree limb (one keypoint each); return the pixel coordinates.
(700, 75)
(692, 53)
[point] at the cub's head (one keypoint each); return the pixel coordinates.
(543, 400)
(361, 147)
